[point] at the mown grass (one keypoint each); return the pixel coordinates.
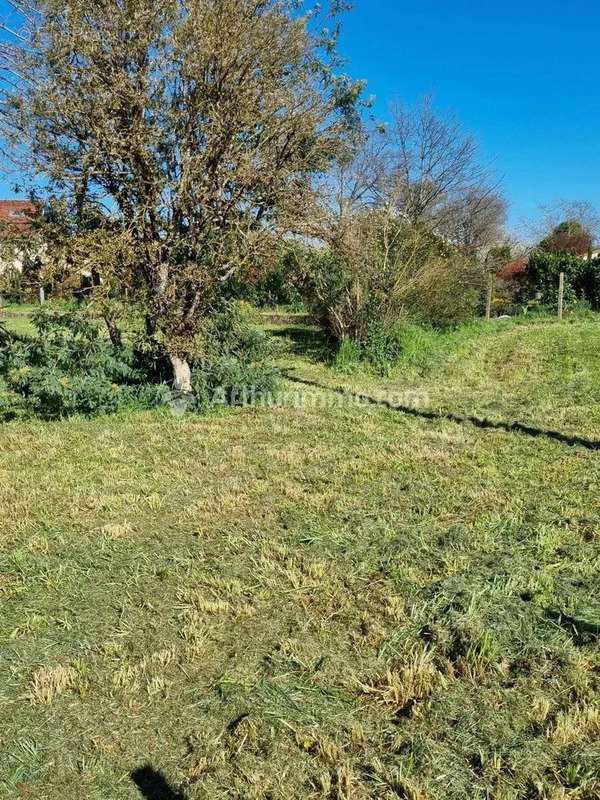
(17, 319)
(536, 371)
(326, 601)
(19, 308)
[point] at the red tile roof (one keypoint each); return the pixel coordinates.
(17, 214)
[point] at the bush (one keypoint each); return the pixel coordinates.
(233, 365)
(448, 292)
(417, 344)
(383, 270)
(275, 286)
(11, 403)
(68, 367)
(379, 350)
(380, 272)
(543, 274)
(358, 285)
(590, 283)
(348, 356)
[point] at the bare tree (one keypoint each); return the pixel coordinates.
(359, 172)
(475, 221)
(197, 125)
(375, 264)
(350, 187)
(436, 179)
(581, 210)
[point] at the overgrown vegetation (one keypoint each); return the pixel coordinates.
(322, 600)
(70, 366)
(381, 271)
(582, 278)
(234, 361)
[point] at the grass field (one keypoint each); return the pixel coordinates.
(326, 601)
(15, 318)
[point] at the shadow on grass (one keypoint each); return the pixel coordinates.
(580, 630)
(153, 785)
(478, 422)
(306, 341)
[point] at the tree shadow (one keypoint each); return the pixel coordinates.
(581, 631)
(153, 785)
(478, 422)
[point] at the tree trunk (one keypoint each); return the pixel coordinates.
(113, 332)
(183, 397)
(150, 326)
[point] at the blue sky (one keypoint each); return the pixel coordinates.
(522, 76)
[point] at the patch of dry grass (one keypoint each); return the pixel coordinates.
(334, 602)
(48, 683)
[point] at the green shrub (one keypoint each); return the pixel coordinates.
(348, 356)
(275, 286)
(367, 309)
(379, 350)
(11, 403)
(447, 292)
(233, 366)
(417, 344)
(380, 271)
(68, 367)
(590, 283)
(543, 275)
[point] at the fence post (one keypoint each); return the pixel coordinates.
(490, 294)
(42, 296)
(561, 295)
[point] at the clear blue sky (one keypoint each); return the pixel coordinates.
(522, 75)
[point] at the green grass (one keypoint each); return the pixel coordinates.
(327, 601)
(19, 308)
(16, 318)
(20, 325)
(539, 372)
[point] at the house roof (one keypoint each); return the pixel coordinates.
(17, 214)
